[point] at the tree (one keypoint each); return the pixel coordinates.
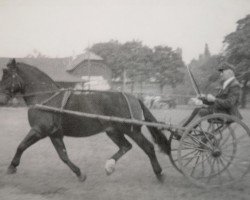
(129, 60)
(141, 62)
(208, 74)
(238, 52)
(205, 70)
(109, 51)
(238, 44)
(130, 56)
(138, 61)
(166, 64)
(36, 54)
(206, 51)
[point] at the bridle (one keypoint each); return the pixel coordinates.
(13, 83)
(16, 80)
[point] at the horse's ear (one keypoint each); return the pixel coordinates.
(12, 63)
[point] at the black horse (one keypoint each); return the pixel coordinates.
(36, 87)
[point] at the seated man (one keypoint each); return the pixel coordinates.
(226, 101)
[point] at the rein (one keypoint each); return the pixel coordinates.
(56, 93)
(41, 93)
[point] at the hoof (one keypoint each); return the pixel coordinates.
(161, 177)
(110, 166)
(82, 178)
(11, 170)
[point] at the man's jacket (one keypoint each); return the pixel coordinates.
(228, 99)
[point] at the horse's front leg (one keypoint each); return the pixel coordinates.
(33, 136)
(61, 150)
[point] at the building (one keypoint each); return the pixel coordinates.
(55, 68)
(92, 71)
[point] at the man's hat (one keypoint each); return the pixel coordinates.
(224, 66)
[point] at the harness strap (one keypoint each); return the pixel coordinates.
(50, 98)
(129, 106)
(65, 99)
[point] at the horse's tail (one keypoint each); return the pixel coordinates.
(157, 135)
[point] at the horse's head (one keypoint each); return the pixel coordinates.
(11, 82)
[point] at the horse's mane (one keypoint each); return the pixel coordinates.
(35, 72)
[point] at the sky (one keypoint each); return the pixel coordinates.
(60, 28)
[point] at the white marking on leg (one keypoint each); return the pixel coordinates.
(110, 166)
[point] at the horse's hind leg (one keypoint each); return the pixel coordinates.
(123, 145)
(148, 148)
(32, 137)
(61, 150)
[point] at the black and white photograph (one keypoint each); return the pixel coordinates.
(124, 99)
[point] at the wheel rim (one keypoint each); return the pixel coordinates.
(173, 156)
(212, 154)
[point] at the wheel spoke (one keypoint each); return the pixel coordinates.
(235, 141)
(189, 144)
(192, 138)
(212, 170)
(191, 159)
(198, 149)
(203, 161)
(207, 138)
(218, 129)
(194, 167)
(236, 166)
(225, 168)
(230, 156)
(202, 165)
(189, 149)
(225, 140)
(199, 142)
(219, 170)
(235, 157)
(185, 158)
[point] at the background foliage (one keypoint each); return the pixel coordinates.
(161, 63)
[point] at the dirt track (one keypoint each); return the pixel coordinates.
(42, 175)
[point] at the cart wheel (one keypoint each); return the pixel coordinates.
(214, 151)
(173, 156)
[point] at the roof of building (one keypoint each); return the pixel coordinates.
(81, 58)
(55, 68)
